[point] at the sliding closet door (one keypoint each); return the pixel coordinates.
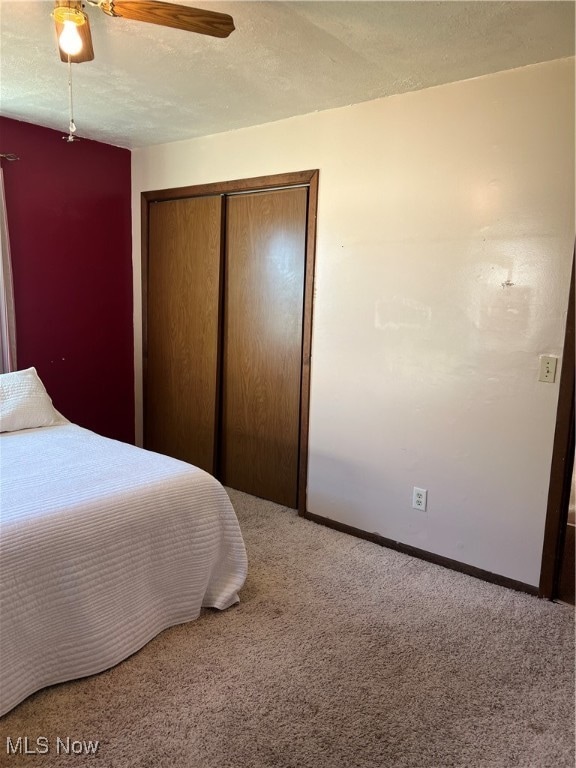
(182, 328)
(262, 354)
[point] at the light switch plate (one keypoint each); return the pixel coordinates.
(548, 365)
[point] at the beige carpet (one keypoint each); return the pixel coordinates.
(342, 654)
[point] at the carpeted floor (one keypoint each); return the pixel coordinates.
(342, 654)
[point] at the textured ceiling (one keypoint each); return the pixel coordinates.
(150, 85)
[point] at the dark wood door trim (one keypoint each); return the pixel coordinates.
(307, 342)
(562, 464)
(233, 187)
(307, 178)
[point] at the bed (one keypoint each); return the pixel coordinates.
(102, 546)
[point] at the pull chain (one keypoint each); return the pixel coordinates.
(72, 124)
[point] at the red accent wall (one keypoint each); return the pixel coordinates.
(69, 220)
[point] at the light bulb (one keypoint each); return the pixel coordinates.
(70, 40)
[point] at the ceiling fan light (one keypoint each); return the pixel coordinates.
(70, 41)
(64, 13)
(70, 18)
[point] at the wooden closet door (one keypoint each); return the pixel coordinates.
(182, 328)
(262, 353)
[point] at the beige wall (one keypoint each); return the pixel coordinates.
(445, 236)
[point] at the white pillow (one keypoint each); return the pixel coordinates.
(24, 402)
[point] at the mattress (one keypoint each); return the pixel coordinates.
(102, 546)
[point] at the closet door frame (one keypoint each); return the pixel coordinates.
(307, 179)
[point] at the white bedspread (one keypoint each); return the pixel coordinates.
(102, 546)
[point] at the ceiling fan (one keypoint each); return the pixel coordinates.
(73, 25)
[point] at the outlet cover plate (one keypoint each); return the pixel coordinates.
(419, 498)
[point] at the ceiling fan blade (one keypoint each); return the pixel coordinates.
(172, 15)
(87, 52)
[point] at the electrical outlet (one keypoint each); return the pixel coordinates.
(419, 498)
(548, 368)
